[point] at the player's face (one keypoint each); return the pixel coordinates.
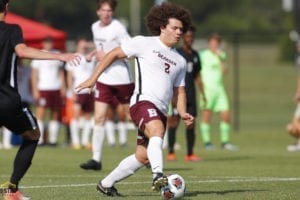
(172, 32)
(105, 14)
(213, 44)
(188, 38)
(82, 46)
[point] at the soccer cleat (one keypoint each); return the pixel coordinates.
(10, 192)
(111, 191)
(209, 146)
(229, 147)
(171, 157)
(159, 181)
(91, 164)
(192, 158)
(293, 147)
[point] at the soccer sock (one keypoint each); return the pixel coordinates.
(122, 129)
(42, 130)
(23, 160)
(86, 131)
(171, 139)
(224, 132)
(205, 132)
(6, 138)
(74, 127)
(155, 155)
(97, 142)
(53, 131)
(127, 167)
(190, 140)
(110, 132)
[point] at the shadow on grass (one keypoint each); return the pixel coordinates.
(221, 192)
(233, 158)
(178, 169)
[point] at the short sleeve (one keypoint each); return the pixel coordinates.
(133, 46)
(180, 79)
(35, 64)
(16, 36)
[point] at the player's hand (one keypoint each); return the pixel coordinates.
(73, 59)
(89, 83)
(188, 119)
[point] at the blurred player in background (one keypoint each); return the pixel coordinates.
(192, 76)
(160, 72)
(213, 71)
(115, 82)
(84, 101)
(13, 115)
(293, 128)
(49, 90)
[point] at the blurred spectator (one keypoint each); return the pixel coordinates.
(83, 106)
(213, 69)
(48, 86)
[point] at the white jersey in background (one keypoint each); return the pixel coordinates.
(158, 69)
(48, 73)
(81, 72)
(107, 38)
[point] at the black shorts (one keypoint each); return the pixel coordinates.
(18, 120)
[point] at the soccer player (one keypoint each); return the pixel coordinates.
(84, 101)
(160, 72)
(192, 75)
(49, 89)
(213, 70)
(13, 115)
(115, 82)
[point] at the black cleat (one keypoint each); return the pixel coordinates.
(159, 181)
(110, 192)
(91, 164)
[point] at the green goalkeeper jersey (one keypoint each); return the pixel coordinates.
(212, 73)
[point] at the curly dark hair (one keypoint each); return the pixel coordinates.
(112, 3)
(159, 16)
(3, 5)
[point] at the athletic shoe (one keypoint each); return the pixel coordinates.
(10, 192)
(111, 191)
(293, 147)
(171, 157)
(229, 147)
(91, 164)
(159, 181)
(192, 158)
(209, 146)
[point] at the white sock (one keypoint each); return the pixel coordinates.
(110, 132)
(53, 131)
(154, 153)
(86, 131)
(74, 128)
(42, 129)
(127, 167)
(6, 138)
(165, 142)
(122, 129)
(97, 143)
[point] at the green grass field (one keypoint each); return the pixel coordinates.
(261, 169)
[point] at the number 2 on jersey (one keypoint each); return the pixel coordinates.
(167, 68)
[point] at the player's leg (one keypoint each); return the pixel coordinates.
(40, 113)
(55, 105)
(75, 126)
(121, 125)
(110, 126)
(173, 122)
(205, 129)
(87, 108)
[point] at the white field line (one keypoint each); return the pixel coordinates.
(231, 180)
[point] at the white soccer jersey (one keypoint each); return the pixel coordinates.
(48, 74)
(81, 72)
(158, 69)
(107, 38)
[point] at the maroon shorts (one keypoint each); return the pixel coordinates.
(106, 93)
(143, 112)
(86, 101)
(50, 99)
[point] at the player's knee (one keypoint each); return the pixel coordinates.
(32, 135)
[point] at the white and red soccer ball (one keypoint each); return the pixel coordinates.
(175, 188)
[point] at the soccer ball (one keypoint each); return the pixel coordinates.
(175, 188)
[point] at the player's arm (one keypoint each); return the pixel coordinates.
(181, 106)
(23, 51)
(109, 58)
(297, 95)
